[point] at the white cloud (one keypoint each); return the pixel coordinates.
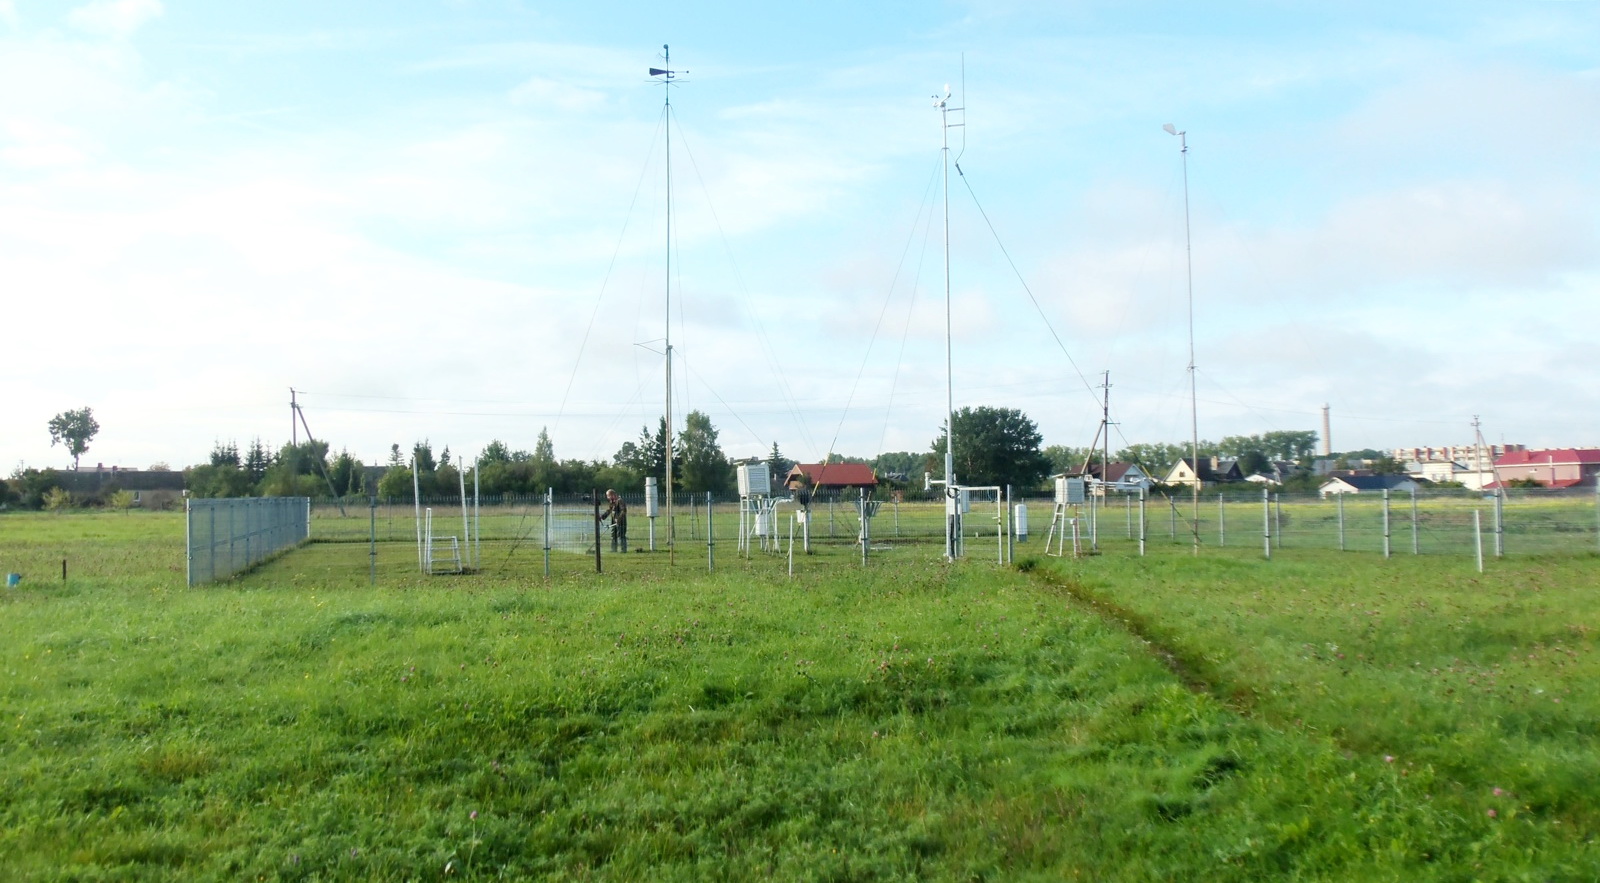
(451, 238)
(1542, 119)
(1439, 239)
(545, 92)
(115, 18)
(37, 144)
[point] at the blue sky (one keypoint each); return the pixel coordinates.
(445, 221)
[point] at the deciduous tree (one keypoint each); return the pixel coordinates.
(494, 452)
(57, 499)
(995, 446)
(1068, 459)
(74, 429)
(647, 456)
(395, 483)
(1156, 458)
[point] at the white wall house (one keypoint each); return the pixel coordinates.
(1368, 484)
(1119, 478)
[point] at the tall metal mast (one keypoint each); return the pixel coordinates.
(1194, 416)
(1480, 451)
(1477, 450)
(952, 501)
(666, 82)
(1105, 432)
(1102, 500)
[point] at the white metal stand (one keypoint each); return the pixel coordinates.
(432, 562)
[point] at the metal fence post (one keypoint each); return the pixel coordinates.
(594, 497)
(1277, 517)
(1416, 542)
(861, 512)
(1144, 523)
(1499, 523)
(1094, 518)
(372, 542)
(711, 543)
(211, 538)
(252, 513)
(1266, 522)
(1010, 528)
(1477, 535)
(1222, 519)
(189, 543)
(1340, 499)
(1385, 522)
(548, 493)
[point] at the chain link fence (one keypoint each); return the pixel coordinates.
(1517, 521)
(498, 531)
(227, 536)
(1440, 522)
(519, 518)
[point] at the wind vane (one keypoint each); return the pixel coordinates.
(666, 58)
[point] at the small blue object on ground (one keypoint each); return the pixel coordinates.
(13, 580)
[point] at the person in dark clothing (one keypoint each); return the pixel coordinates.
(617, 512)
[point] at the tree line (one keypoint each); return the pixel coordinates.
(993, 446)
(307, 469)
(1255, 453)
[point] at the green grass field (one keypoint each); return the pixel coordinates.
(1316, 717)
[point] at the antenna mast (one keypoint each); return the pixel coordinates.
(1188, 252)
(1105, 431)
(952, 501)
(666, 83)
(1480, 450)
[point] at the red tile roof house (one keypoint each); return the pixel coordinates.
(1553, 467)
(831, 477)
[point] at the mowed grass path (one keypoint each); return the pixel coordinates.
(913, 721)
(1487, 686)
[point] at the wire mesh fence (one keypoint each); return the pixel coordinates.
(534, 536)
(227, 536)
(528, 535)
(1521, 521)
(520, 519)
(1508, 522)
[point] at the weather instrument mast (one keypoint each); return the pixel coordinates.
(1194, 416)
(666, 77)
(952, 508)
